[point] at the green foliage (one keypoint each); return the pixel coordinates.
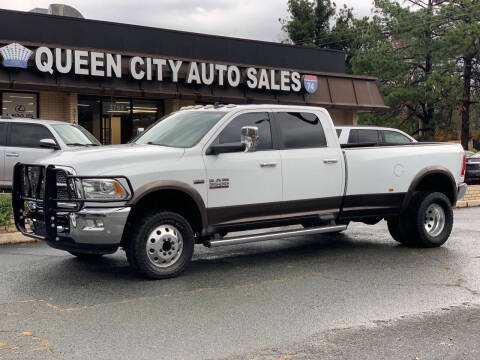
(309, 22)
(424, 54)
(5, 209)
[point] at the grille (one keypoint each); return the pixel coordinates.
(65, 188)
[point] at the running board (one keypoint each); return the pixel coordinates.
(274, 235)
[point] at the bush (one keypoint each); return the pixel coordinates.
(5, 209)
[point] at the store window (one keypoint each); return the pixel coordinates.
(145, 113)
(89, 115)
(22, 105)
(117, 121)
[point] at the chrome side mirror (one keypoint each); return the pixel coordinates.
(49, 143)
(250, 138)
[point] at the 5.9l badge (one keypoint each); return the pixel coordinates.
(219, 183)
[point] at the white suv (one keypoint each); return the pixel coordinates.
(29, 140)
(370, 134)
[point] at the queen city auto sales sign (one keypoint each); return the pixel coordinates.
(99, 64)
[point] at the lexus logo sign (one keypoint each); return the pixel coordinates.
(20, 108)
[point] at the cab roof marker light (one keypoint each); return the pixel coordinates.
(209, 106)
(231, 105)
(198, 106)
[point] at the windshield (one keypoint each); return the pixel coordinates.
(75, 135)
(183, 130)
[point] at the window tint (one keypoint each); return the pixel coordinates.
(28, 135)
(3, 133)
(394, 137)
(339, 132)
(232, 132)
(364, 136)
(300, 130)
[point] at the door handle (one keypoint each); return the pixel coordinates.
(330, 161)
(270, 164)
(12, 155)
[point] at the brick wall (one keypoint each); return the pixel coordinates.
(58, 106)
(472, 198)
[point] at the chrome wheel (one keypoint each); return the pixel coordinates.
(164, 246)
(434, 220)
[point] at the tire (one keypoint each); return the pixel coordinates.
(393, 225)
(84, 256)
(160, 245)
(432, 220)
(427, 223)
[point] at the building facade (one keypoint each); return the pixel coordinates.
(117, 79)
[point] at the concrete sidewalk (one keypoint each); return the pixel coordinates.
(14, 238)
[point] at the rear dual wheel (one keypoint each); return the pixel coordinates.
(427, 222)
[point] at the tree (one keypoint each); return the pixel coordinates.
(462, 38)
(309, 22)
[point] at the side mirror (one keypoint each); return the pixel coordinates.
(49, 143)
(216, 149)
(250, 138)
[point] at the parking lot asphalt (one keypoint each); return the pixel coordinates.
(321, 296)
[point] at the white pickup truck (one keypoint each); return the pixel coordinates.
(207, 171)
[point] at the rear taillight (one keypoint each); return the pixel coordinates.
(464, 165)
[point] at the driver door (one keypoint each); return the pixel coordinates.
(244, 185)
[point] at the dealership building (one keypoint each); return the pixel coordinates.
(116, 79)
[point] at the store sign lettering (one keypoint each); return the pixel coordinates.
(99, 64)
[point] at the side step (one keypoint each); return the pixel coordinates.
(274, 235)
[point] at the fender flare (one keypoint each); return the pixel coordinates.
(424, 173)
(160, 185)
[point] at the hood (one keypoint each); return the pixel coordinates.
(103, 159)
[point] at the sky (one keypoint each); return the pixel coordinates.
(251, 19)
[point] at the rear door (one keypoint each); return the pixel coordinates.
(3, 139)
(23, 145)
(312, 163)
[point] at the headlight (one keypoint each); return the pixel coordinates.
(104, 189)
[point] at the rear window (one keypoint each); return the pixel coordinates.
(300, 130)
(28, 135)
(364, 136)
(394, 137)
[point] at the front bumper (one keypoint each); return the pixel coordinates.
(462, 190)
(44, 209)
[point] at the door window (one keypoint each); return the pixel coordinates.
(300, 130)
(364, 136)
(28, 135)
(232, 132)
(394, 137)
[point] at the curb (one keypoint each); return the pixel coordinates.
(15, 238)
(467, 203)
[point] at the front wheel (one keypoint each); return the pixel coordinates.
(160, 246)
